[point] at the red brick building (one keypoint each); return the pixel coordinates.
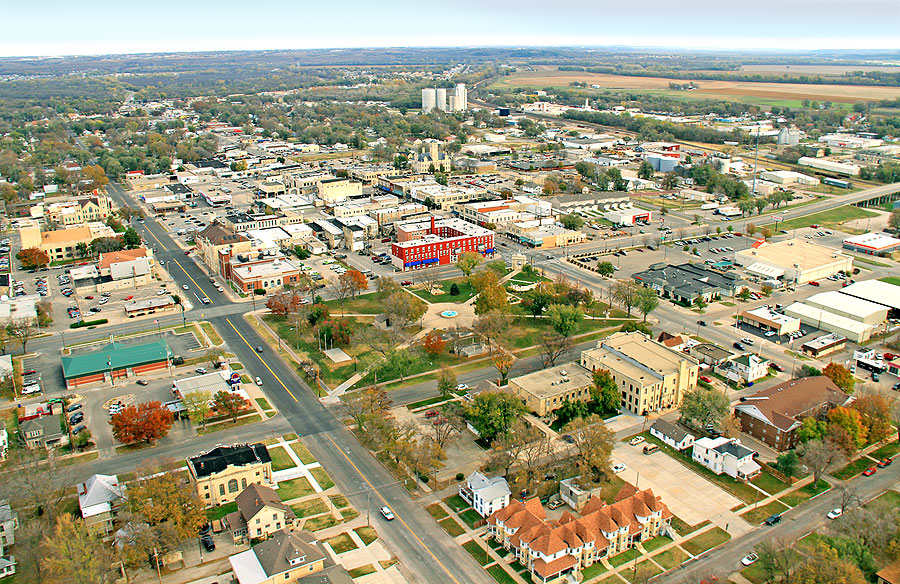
(438, 242)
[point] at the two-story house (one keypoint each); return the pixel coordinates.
(99, 499)
(484, 494)
(726, 455)
(41, 432)
(9, 522)
(260, 514)
(288, 556)
(747, 367)
(222, 473)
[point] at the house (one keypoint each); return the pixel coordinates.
(7, 566)
(672, 434)
(222, 473)
(775, 414)
(99, 499)
(726, 455)
(41, 432)
(288, 556)
(709, 354)
(890, 574)
(9, 522)
(260, 514)
(484, 494)
(4, 443)
(748, 367)
(674, 342)
(553, 551)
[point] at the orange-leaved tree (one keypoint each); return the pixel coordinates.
(144, 422)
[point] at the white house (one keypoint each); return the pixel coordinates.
(99, 498)
(7, 566)
(748, 367)
(484, 494)
(9, 522)
(726, 455)
(671, 434)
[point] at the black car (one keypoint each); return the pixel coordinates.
(259, 349)
(773, 519)
(73, 408)
(701, 322)
(208, 544)
(76, 418)
(776, 367)
(738, 346)
(142, 382)
(77, 429)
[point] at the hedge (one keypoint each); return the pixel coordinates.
(88, 323)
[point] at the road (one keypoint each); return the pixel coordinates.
(425, 550)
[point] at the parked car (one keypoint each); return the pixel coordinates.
(834, 513)
(73, 408)
(78, 428)
(884, 462)
(76, 418)
(813, 283)
(555, 504)
(706, 379)
(142, 382)
(636, 440)
(618, 467)
(387, 513)
(208, 543)
(773, 519)
(870, 471)
(258, 381)
(749, 559)
(738, 346)
(29, 372)
(776, 367)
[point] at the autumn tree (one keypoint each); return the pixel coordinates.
(492, 413)
(850, 422)
(213, 354)
(144, 422)
(823, 566)
(44, 310)
(366, 404)
(484, 279)
(625, 292)
(491, 326)
(778, 559)
(433, 344)
(819, 456)
(593, 443)
(167, 504)
(95, 174)
(33, 258)
(343, 287)
(492, 298)
(875, 412)
(840, 375)
(401, 310)
(77, 553)
(386, 286)
(229, 404)
(197, 405)
(503, 361)
(39, 483)
(358, 282)
(283, 303)
(448, 424)
(468, 261)
(446, 382)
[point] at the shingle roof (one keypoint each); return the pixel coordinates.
(670, 430)
(220, 458)
(114, 356)
(255, 497)
(276, 554)
(782, 405)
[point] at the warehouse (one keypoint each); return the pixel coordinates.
(794, 261)
(829, 166)
(849, 307)
(854, 330)
(875, 291)
(877, 244)
(768, 320)
(788, 177)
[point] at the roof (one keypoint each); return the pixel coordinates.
(725, 445)
(48, 425)
(817, 317)
(218, 234)
(846, 304)
(688, 280)
(276, 553)
(674, 432)
(148, 303)
(96, 495)
(488, 488)
(873, 241)
(221, 457)
(114, 356)
(824, 341)
(256, 497)
(275, 267)
(538, 383)
(211, 382)
(890, 573)
(767, 315)
(81, 233)
(793, 254)
(783, 405)
(875, 291)
(126, 255)
(637, 355)
(246, 568)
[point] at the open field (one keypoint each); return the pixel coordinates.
(728, 90)
(813, 69)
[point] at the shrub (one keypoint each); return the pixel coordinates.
(460, 476)
(454, 289)
(85, 323)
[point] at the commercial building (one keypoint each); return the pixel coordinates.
(115, 361)
(216, 238)
(726, 456)
(824, 345)
(267, 273)
(850, 141)
(825, 320)
(877, 244)
(260, 514)
(849, 307)
(788, 177)
(829, 166)
(593, 201)
(552, 551)
(875, 291)
(547, 390)
(628, 216)
(775, 414)
(541, 235)
(767, 319)
(485, 494)
(332, 191)
(220, 474)
(688, 283)
(62, 244)
(99, 499)
(651, 376)
(438, 241)
(442, 196)
(794, 261)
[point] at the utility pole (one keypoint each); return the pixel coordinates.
(755, 159)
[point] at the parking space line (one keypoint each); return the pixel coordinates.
(263, 361)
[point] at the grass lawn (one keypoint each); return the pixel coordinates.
(362, 304)
(302, 453)
(853, 468)
(755, 573)
(280, 458)
(706, 540)
(309, 508)
(592, 571)
(769, 483)
(321, 477)
(229, 425)
(294, 489)
(426, 402)
(471, 517)
(526, 278)
(349, 513)
(887, 501)
(624, 557)
(805, 493)
(656, 543)
(451, 526)
(682, 528)
(456, 503)
(320, 522)
(211, 333)
(339, 501)
(671, 557)
(477, 551)
(362, 571)
(221, 511)
(341, 543)
(264, 403)
(436, 511)
(366, 534)
(643, 572)
(891, 280)
(465, 292)
(886, 451)
(758, 515)
(500, 575)
(828, 219)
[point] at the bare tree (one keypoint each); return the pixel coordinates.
(22, 330)
(819, 456)
(38, 485)
(491, 326)
(429, 278)
(779, 559)
(553, 346)
(342, 288)
(849, 497)
(870, 528)
(444, 427)
(626, 292)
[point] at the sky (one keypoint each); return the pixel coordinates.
(57, 27)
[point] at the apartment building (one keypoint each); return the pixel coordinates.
(220, 474)
(547, 390)
(62, 244)
(438, 241)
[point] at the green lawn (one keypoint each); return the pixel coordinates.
(302, 453)
(320, 522)
(891, 280)
(477, 551)
(758, 515)
(339, 501)
(349, 513)
(706, 540)
(671, 557)
(471, 517)
(805, 493)
(362, 304)
(465, 292)
(657, 542)
(456, 503)
(769, 483)
(321, 477)
(280, 458)
(828, 219)
(211, 333)
(500, 575)
(263, 403)
(451, 526)
(341, 543)
(642, 572)
(886, 451)
(623, 558)
(294, 489)
(853, 468)
(526, 278)
(221, 511)
(362, 571)
(366, 534)
(682, 528)
(592, 571)
(436, 511)
(309, 508)
(888, 502)
(755, 573)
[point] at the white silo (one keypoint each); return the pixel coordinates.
(428, 99)
(462, 97)
(441, 98)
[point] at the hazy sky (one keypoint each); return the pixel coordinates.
(55, 27)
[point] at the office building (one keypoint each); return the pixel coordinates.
(437, 242)
(220, 474)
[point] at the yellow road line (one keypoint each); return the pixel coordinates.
(189, 276)
(156, 238)
(406, 525)
(228, 320)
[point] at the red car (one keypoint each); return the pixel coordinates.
(813, 283)
(188, 252)
(89, 297)
(869, 471)
(705, 378)
(29, 372)
(129, 297)
(884, 462)
(814, 226)
(406, 283)
(431, 414)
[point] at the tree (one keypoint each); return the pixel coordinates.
(492, 413)
(730, 426)
(446, 425)
(196, 403)
(825, 567)
(144, 422)
(778, 558)
(851, 422)
(483, 280)
(812, 429)
(491, 326)
(503, 361)
(564, 319)
(166, 503)
(358, 282)
(371, 403)
(76, 553)
(645, 171)
(336, 331)
(840, 375)
(820, 455)
(788, 463)
(875, 411)
(766, 290)
(21, 330)
(669, 181)
(553, 346)
(468, 261)
(106, 245)
(647, 301)
(343, 287)
(433, 343)
(572, 221)
(625, 292)
(131, 239)
(604, 391)
(96, 174)
(593, 443)
(493, 298)
(446, 382)
(807, 371)
(385, 287)
(229, 404)
(38, 485)
(454, 289)
(401, 310)
(606, 269)
(33, 258)
(44, 309)
(283, 304)
(704, 406)
(213, 354)
(894, 220)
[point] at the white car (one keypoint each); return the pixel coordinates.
(618, 467)
(636, 440)
(749, 559)
(186, 287)
(834, 513)
(747, 341)
(258, 381)
(388, 514)
(160, 292)
(30, 389)
(462, 387)
(770, 333)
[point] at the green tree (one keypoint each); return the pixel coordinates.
(454, 289)
(197, 404)
(606, 269)
(647, 301)
(492, 413)
(131, 239)
(811, 429)
(788, 463)
(645, 171)
(625, 292)
(564, 319)
(468, 261)
(704, 406)
(572, 221)
(446, 382)
(538, 301)
(492, 298)
(894, 220)
(604, 391)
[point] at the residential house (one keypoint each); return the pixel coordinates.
(222, 473)
(260, 514)
(41, 432)
(775, 414)
(726, 455)
(484, 494)
(99, 499)
(747, 367)
(4, 443)
(890, 574)
(674, 342)
(9, 522)
(554, 550)
(672, 434)
(709, 354)
(288, 556)
(7, 566)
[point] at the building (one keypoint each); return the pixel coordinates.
(877, 244)
(215, 238)
(77, 211)
(651, 376)
(890, 574)
(222, 473)
(269, 274)
(628, 216)
(63, 244)
(429, 157)
(788, 177)
(260, 515)
(775, 414)
(826, 320)
(728, 456)
(766, 319)
(824, 345)
(671, 434)
(41, 432)
(333, 191)
(152, 305)
(461, 103)
(674, 342)
(849, 141)
(429, 99)
(438, 242)
(747, 367)
(4, 443)
(440, 196)
(876, 291)
(794, 261)
(115, 361)
(546, 390)
(788, 137)
(689, 283)
(485, 494)
(829, 166)
(9, 523)
(220, 380)
(850, 307)
(533, 234)
(553, 551)
(288, 556)
(99, 499)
